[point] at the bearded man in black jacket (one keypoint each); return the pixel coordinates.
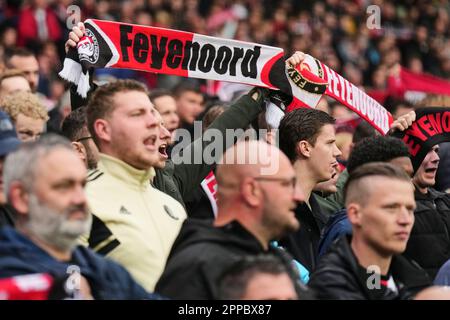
(256, 203)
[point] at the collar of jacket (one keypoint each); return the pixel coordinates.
(408, 275)
(124, 171)
(15, 244)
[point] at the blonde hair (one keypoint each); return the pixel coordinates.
(25, 103)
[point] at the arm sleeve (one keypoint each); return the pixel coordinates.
(188, 172)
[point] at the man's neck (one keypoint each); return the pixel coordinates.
(367, 256)
(58, 254)
(423, 190)
(305, 177)
(246, 219)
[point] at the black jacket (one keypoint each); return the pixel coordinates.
(201, 254)
(303, 244)
(7, 216)
(429, 242)
(339, 276)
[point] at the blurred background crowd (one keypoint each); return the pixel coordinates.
(412, 33)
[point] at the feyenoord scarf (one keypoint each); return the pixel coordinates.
(432, 126)
(118, 45)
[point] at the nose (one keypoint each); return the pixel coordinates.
(435, 156)
(164, 133)
(405, 217)
(79, 196)
(152, 120)
(337, 152)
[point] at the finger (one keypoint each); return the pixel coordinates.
(81, 27)
(409, 121)
(74, 37)
(71, 43)
(77, 31)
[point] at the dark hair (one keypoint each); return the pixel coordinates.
(301, 124)
(74, 124)
(234, 280)
(376, 149)
(379, 169)
(363, 130)
(392, 104)
(185, 86)
(21, 52)
(101, 103)
(157, 93)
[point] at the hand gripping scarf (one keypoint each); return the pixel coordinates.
(118, 45)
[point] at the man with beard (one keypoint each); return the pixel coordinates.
(25, 61)
(44, 182)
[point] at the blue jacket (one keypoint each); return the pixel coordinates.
(443, 276)
(336, 227)
(107, 279)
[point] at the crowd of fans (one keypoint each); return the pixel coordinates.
(341, 200)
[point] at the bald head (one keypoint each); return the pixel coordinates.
(257, 187)
(249, 159)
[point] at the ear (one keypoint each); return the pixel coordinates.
(18, 197)
(354, 214)
(251, 192)
(80, 149)
(102, 130)
(304, 148)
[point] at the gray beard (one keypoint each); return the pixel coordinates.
(54, 227)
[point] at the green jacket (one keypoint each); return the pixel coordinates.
(179, 180)
(334, 202)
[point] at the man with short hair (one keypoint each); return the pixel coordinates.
(44, 182)
(307, 137)
(8, 143)
(11, 81)
(256, 206)
(190, 103)
(167, 108)
(375, 149)
(379, 198)
(74, 128)
(134, 224)
(24, 60)
(28, 114)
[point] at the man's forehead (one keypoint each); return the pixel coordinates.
(59, 163)
(327, 131)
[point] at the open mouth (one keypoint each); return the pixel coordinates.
(163, 150)
(150, 142)
(431, 170)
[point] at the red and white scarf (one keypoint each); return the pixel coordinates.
(118, 45)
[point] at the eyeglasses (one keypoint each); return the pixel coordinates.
(286, 182)
(84, 138)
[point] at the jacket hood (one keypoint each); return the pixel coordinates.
(233, 234)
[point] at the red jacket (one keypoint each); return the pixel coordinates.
(27, 30)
